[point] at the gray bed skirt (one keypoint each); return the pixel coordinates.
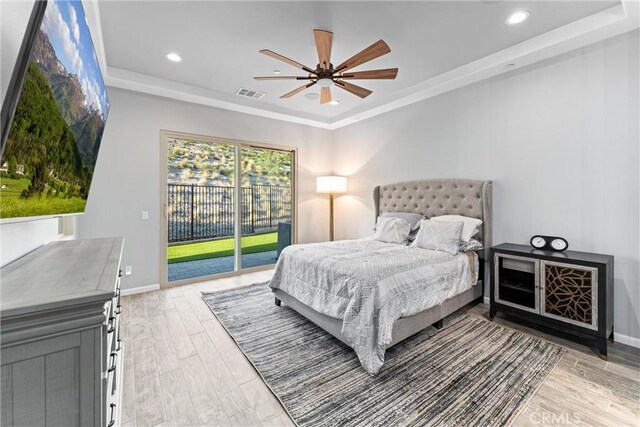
(402, 329)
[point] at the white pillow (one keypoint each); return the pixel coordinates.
(439, 236)
(469, 229)
(412, 218)
(392, 230)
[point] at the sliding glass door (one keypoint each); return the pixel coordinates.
(229, 206)
(267, 204)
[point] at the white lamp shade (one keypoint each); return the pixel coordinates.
(331, 184)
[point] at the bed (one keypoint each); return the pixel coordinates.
(373, 295)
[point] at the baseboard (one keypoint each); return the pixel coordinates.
(626, 339)
(139, 290)
(622, 339)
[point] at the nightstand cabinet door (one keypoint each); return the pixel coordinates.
(570, 293)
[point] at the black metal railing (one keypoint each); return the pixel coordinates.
(200, 212)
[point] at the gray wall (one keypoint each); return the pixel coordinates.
(127, 175)
(18, 239)
(560, 140)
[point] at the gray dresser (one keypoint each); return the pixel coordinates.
(61, 350)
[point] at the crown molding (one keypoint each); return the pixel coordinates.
(611, 22)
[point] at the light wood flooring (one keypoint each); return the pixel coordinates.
(181, 368)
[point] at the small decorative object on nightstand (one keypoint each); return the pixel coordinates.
(568, 292)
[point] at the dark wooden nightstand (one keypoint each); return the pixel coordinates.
(569, 293)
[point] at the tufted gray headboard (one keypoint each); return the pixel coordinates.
(434, 197)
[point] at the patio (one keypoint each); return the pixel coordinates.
(206, 267)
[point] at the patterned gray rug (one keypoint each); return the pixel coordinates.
(472, 372)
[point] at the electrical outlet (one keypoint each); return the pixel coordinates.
(145, 215)
(127, 270)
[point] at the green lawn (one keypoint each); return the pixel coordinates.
(11, 205)
(221, 248)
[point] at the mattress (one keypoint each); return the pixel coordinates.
(369, 285)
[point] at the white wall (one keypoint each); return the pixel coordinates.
(127, 175)
(20, 238)
(560, 140)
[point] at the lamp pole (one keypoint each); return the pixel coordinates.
(331, 217)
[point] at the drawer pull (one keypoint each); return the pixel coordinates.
(113, 421)
(119, 345)
(112, 328)
(113, 366)
(120, 273)
(118, 309)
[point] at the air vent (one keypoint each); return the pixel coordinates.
(248, 93)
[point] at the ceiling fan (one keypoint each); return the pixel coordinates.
(326, 75)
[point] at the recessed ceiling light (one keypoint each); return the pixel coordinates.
(509, 65)
(173, 57)
(312, 96)
(518, 17)
(334, 102)
(276, 72)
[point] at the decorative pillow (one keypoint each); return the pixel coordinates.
(469, 229)
(392, 230)
(470, 246)
(439, 236)
(412, 218)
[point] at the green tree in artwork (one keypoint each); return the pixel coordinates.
(12, 168)
(38, 181)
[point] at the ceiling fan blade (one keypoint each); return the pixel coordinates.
(374, 51)
(325, 95)
(282, 78)
(324, 40)
(298, 90)
(285, 59)
(387, 73)
(354, 89)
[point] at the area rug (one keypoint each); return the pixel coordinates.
(471, 372)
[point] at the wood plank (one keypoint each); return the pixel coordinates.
(229, 393)
(163, 345)
(178, 333)
(29, 392)
(263, 403)
(208, 407)
(6, 410)
(149, 408)
(202, 310)
(177, 403)
(572, 408)
(245, 419)
(165, 301)
(241, 369)
(128, 389)
(282, 420)
(189, 318)
(591, 394)
(61, 388)
(608, 380)
(174, 291)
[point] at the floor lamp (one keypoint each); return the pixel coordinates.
(332, 185)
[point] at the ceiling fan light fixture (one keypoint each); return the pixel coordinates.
(325, 82)
(518, 17)
(334, 102)
(312, 96)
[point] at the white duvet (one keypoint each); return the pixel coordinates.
(370, 285)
